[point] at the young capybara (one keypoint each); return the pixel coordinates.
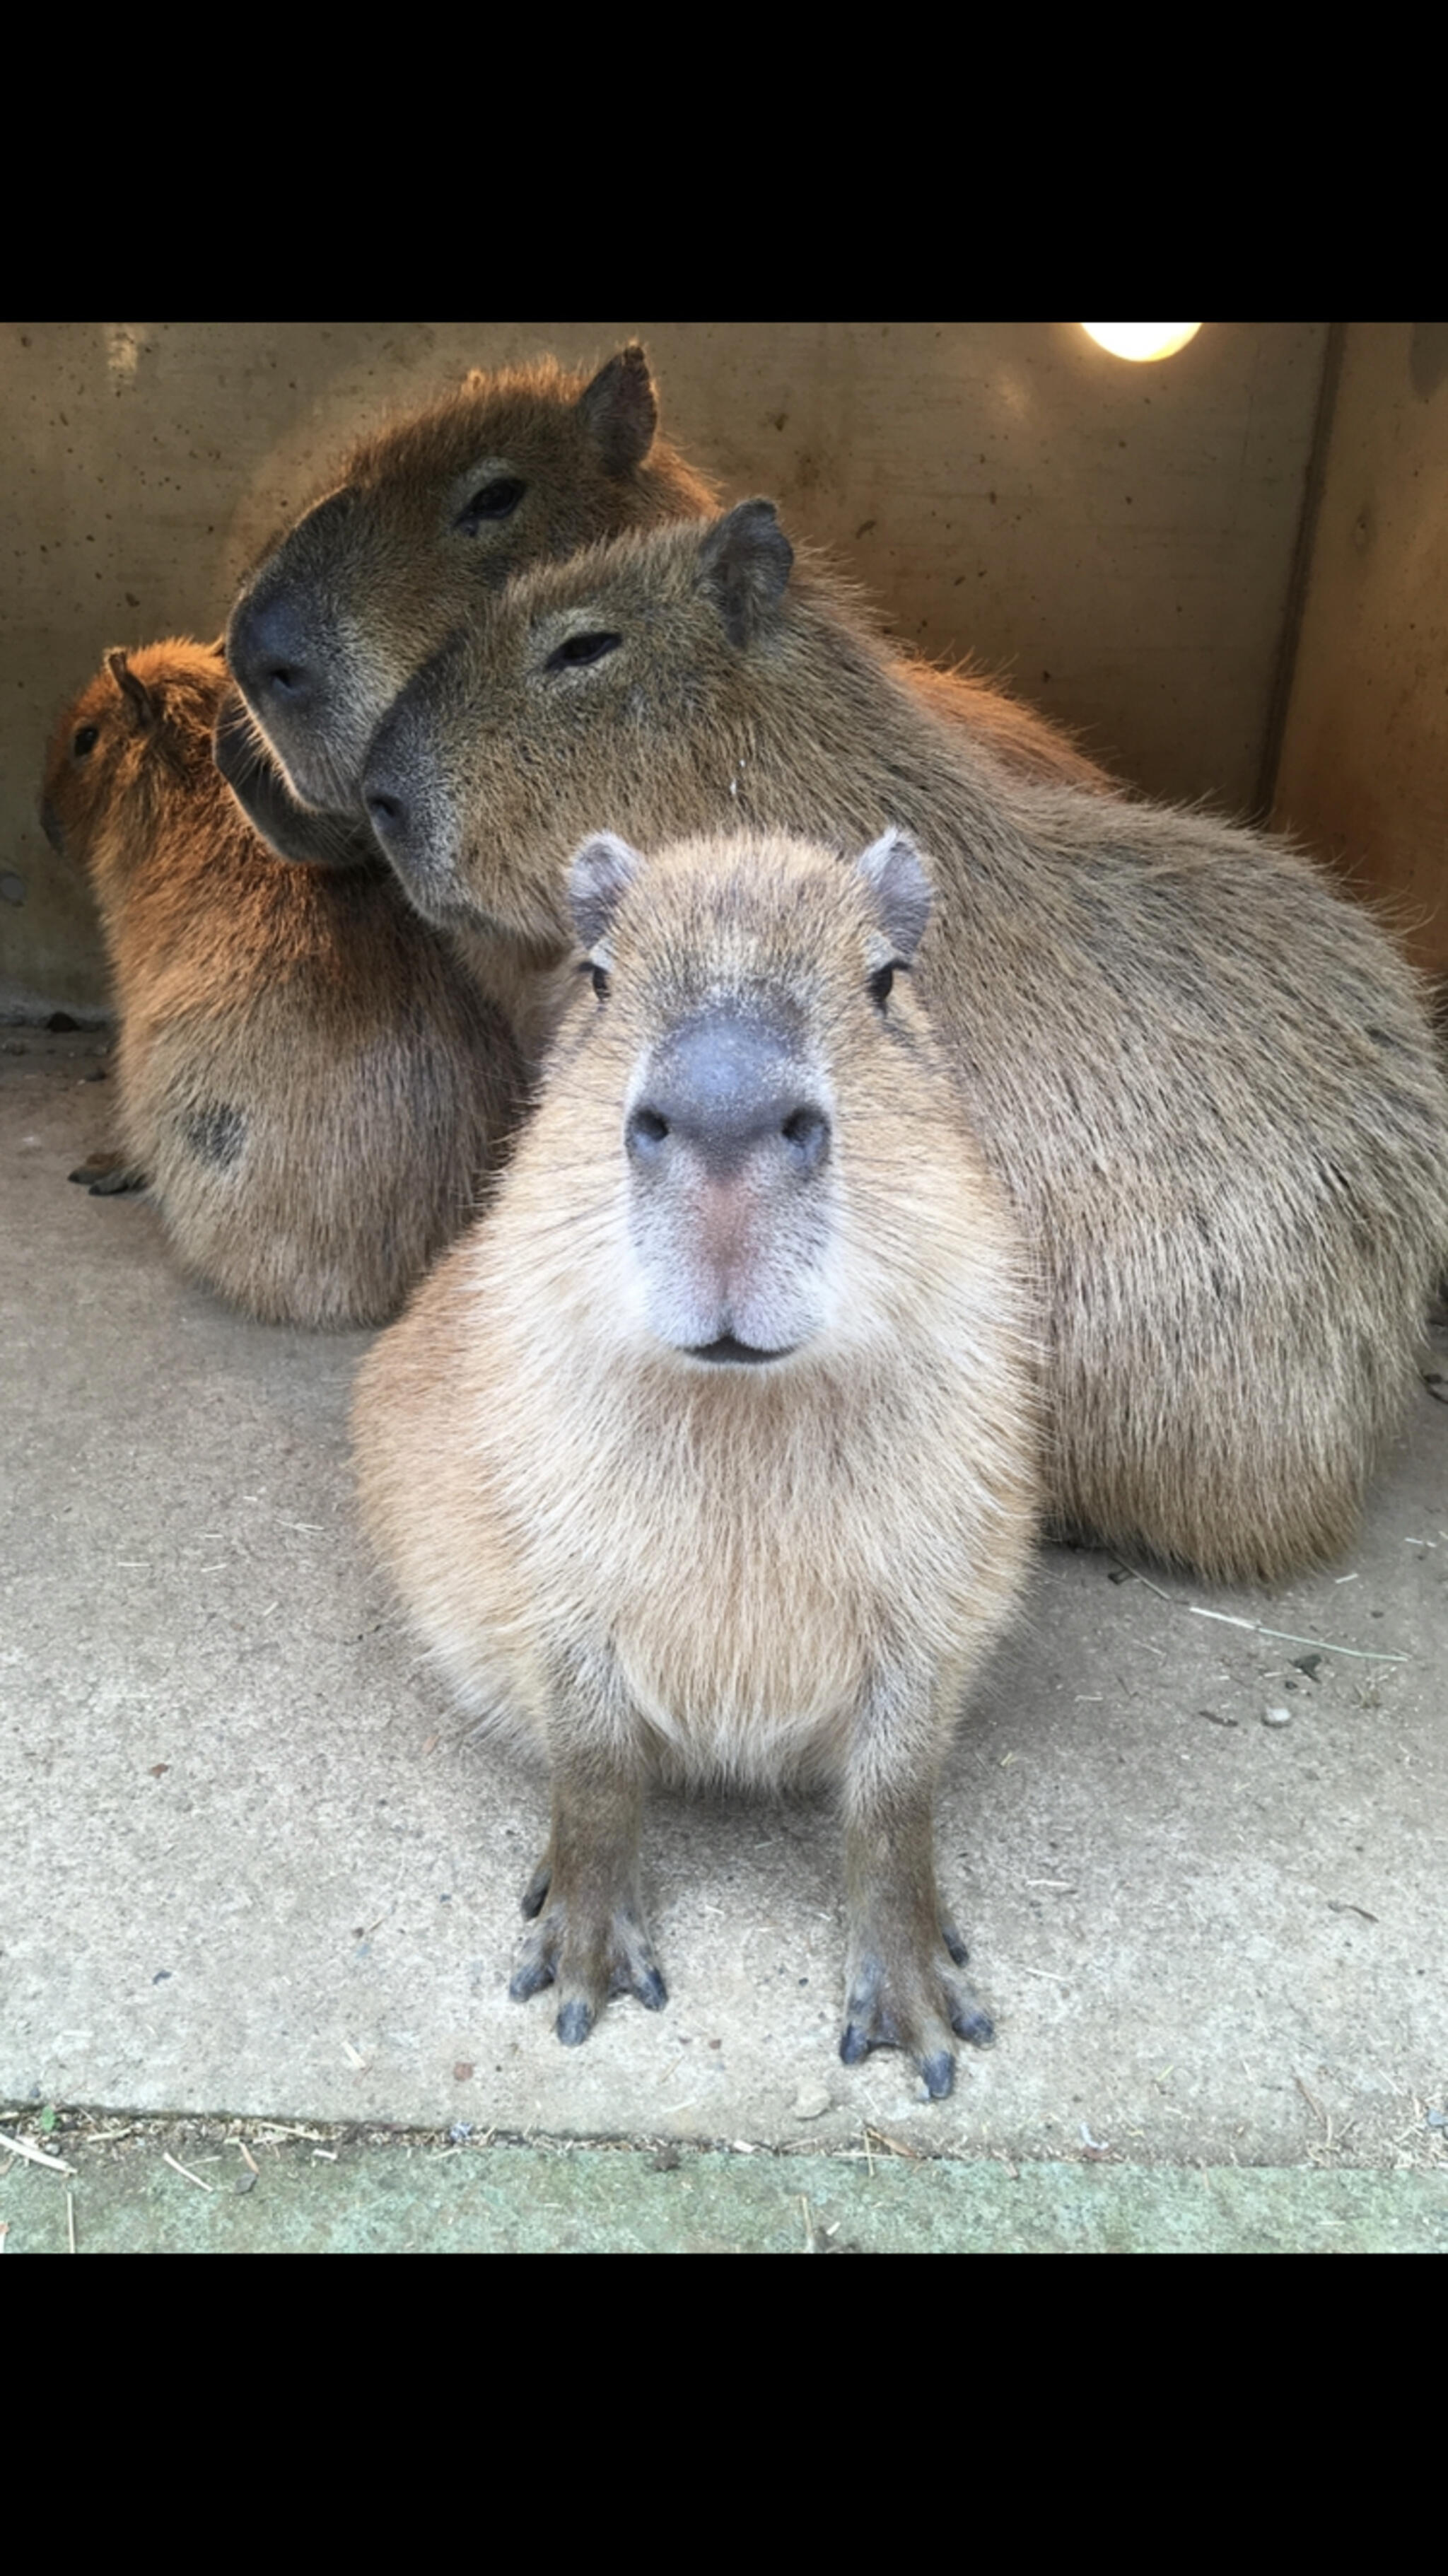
(710, 1452)
(1207, 1078)
(311, 1084)
(429, 515)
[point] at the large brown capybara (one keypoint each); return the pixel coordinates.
(1207, 1078)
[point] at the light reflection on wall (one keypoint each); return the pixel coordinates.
(1142, 339)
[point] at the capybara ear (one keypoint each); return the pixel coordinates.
(599, 878)
(745, 560)
(621, 410)
(899, 888)
(143, 706)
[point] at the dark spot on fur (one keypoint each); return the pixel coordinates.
(216, 1135)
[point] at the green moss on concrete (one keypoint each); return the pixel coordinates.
(418, 2197)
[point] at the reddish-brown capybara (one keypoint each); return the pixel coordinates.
(312, 1086)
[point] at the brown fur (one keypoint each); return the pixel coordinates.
(375, 577)
(1208, 1079)
(651, 1566)
(308, 1080)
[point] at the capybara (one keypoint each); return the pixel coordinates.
(710, 1451)
(427, 516)
(314, 1088)
(1207, 1078)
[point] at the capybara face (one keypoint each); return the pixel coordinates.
(116, 743)
(429, 515)
(587, 689)
(740, 1015)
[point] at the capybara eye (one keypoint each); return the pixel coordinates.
(85, 740)
(495, 500)
(880, 984)
(581, 648)
(600, 982)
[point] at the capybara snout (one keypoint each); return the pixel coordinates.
(723, 1091)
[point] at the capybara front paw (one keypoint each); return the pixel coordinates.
(588, 1960)
(912, 2004)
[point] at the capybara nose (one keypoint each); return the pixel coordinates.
(724, 1086)
(388, 812)
(268, 650)
(390, 798)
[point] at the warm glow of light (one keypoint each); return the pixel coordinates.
(1142, 339)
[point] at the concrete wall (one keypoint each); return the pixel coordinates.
(1364, 768)
(1117, 540)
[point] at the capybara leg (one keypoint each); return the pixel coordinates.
(589, 1940)
(106, 1175)
(899, 1993)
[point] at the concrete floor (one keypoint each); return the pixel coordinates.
(253, 1865)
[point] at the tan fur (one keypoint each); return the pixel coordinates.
(1207, 1078)
(310, 1083)
(379, 574)
(651, 1567)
